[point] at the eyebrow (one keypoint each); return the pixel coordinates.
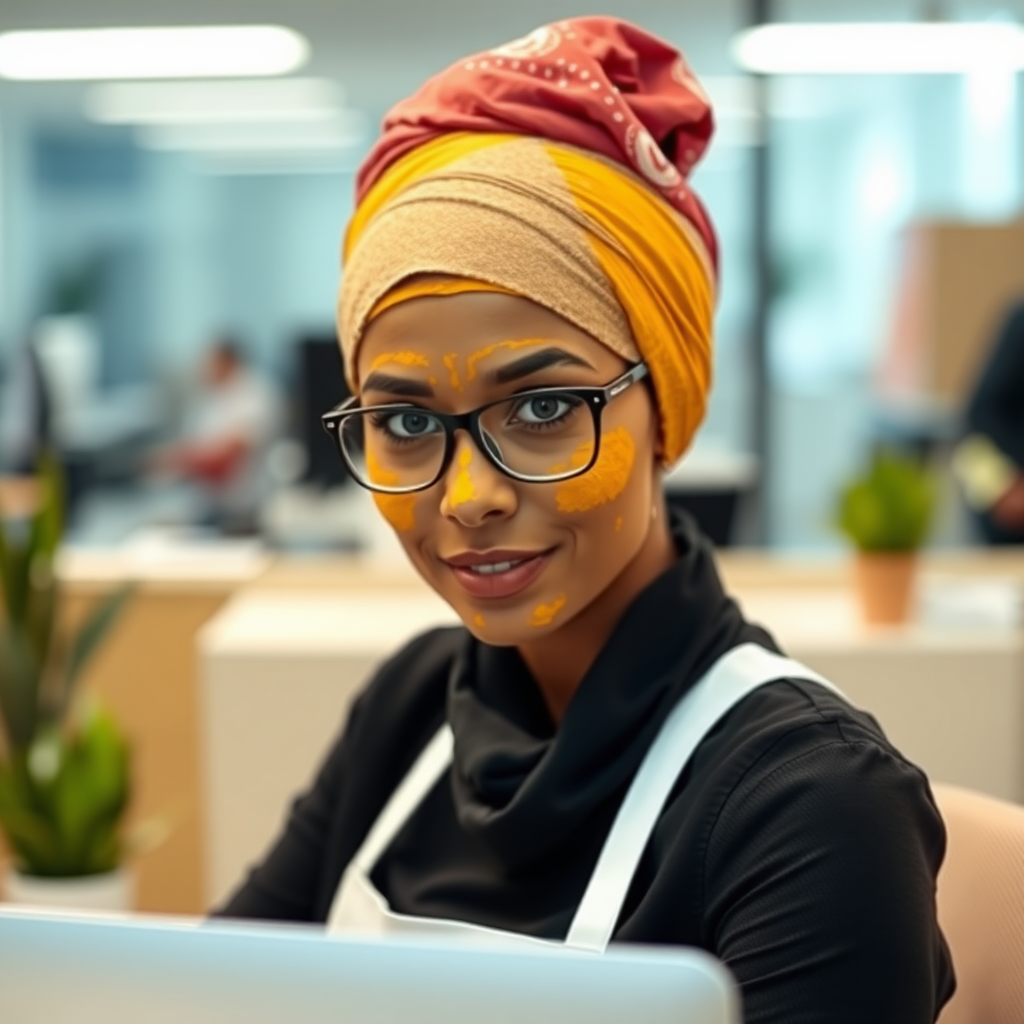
(404, 386)
(533, 363)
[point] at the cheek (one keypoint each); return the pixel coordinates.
(605, 480)
(398, 509)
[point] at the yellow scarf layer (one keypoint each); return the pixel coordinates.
(569, 230)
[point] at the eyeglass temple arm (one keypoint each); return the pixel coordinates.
(340, 407)
(626, 381)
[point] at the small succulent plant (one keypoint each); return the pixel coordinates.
(890, 508)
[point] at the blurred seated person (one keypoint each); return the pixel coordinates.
(24, 414)
(990, 461)
(235, 418)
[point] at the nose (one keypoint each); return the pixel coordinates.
(475, 491)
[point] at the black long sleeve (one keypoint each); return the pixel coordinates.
(820, 886)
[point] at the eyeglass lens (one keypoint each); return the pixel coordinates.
(546, 435)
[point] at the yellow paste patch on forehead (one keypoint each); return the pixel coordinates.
(545, 614)
(605, 480)
(451, 362)
(463, 489)
(401, 358)
(489, 350)
(399, 510)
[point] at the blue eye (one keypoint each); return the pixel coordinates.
(412, 424)
(542, 409)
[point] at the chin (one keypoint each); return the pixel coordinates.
(502, 629)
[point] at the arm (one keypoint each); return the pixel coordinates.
(820, 891)
(388, 725)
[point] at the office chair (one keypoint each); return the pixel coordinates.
(981, 906)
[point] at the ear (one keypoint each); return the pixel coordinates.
(659, 446)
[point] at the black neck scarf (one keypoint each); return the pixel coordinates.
(525, 787)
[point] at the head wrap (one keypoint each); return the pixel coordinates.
(557, 166)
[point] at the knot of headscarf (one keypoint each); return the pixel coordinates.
(553, 168)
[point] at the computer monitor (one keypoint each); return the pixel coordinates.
(320, 381)
(58, 967)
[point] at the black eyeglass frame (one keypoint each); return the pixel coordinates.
(594, 398)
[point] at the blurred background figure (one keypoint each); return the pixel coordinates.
(24, 414)
(990, 462)
(234, 420)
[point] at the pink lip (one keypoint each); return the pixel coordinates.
(497, 585)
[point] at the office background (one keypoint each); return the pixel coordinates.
(184, 241)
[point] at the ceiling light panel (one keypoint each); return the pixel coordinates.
(192, 102)
(880, 48)
(210, 51)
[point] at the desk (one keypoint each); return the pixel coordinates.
(280, 666)
(149, 675)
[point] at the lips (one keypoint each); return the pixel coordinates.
(496, 574)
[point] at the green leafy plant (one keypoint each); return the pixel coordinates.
(64, 765)
(890, 508)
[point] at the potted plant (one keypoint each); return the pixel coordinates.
(64, 765)
(887, 514)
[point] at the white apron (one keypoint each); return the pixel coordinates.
(359, 907)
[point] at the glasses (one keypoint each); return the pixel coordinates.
(539, 436)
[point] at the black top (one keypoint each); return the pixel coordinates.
(997, 407)
(798, 845)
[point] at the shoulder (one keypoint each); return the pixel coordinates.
(817, 859)
(794, 732)
(796, 774)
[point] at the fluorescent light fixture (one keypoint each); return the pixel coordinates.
(346, 130)
(192, 102)
(893, 48)
(209, 51)
(737, 114)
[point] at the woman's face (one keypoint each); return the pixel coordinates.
(515, 560)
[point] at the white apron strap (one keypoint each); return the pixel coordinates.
(736, 674)
(420, 780)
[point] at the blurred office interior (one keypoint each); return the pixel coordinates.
(872, 239)
(137, 225)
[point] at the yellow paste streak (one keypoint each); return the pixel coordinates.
(489, 350)
(401, 358)
(605, 480)
(463, 489)
(544, 614)
(398, 509)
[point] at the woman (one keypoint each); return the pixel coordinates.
(526, 322)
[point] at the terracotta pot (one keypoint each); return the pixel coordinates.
(112, 891)
(885, 585)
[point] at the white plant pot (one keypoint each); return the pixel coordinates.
(113, 891)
